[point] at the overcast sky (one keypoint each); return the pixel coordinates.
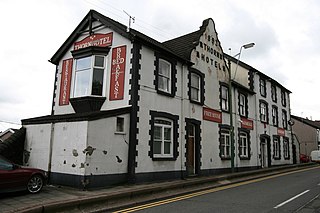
(286, 34)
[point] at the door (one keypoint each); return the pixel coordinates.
(191, 150)
(264, 155)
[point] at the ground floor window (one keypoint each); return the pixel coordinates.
(163, 136)
(276, 148)
(225, 146)
(244, 144)
(286, 154)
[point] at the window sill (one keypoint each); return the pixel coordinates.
(120, 133)
(163, 159)
(162, 92)
(87, 103)
(225, 158)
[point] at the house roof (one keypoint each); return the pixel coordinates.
(311, 123)
(117, 27)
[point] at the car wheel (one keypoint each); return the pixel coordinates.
(35, 184)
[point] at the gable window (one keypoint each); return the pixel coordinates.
(243, 106)
(263, 90)
(196, 86)
(163, 136)
(244, 144)
(286, 148)
(274, 93)
(224, 96)
(276, 148)
(275, 115)
(225, 148)
(89, 76)
(263, 112)
(284, 119)
(164, 78)
(283, 98)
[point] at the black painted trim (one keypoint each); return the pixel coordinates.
(240, 130)
(88, 51)
(173, 74)
(87, 103)
(54, 90)
(88, 116)
(202, 84)
(174, 119)
(134, 99)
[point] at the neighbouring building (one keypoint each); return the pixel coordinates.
(127, 108)
(6, 134)
(307, 134)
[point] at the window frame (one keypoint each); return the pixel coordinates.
(224, 101)
(286, 148)
(163, 76)
(284, 119)
(275, 118)
(163, 124)
(263, 87)
(266, 118)
(224, 144)
(283, 98)
(201, 91)
(244, 107)
(244, 133)
(276, 147)
(274, 93)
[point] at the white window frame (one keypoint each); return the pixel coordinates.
(225, 144)
(276, 150)
(163, 123)
(162, 76)
(91, 70)
(263, 112)
(192, 87)
(243, 144)
(242, 104)
(225, 100)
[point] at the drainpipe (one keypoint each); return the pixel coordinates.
(50, 149)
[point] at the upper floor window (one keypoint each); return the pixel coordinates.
(274, 115)
(225, 151)
(164, 78)
(196, 86)
(276, 148)
(263, 112)
(284, 119)
(224, 94)
(283, 98)
(89, 76)
(243, 106)
(274, 93)
(263, 90)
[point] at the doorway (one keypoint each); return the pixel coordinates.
(193, 147)
(265, 155)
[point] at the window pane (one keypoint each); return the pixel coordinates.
(163, 83)
(83, 63)
(157, 147)
(82, 83)
(167, 148)
(167, 134)
(97, 81)
(195, 81)
(99, 61)
(194, 94)
(164, 68)
(157, 133)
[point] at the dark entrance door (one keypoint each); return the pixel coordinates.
(191, 167)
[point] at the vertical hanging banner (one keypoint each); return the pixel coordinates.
(65, 82)
(118, 67)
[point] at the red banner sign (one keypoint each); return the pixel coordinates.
(118, 67)
(65, 82)
(212, 115)
(98, 40)
(281, 132)
(246, 123)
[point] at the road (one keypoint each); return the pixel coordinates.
(288, 192)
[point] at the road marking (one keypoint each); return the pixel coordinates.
(291, 199)
(184, 197)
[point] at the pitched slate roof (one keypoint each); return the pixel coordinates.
(183, 45)
(117, 27)
(314, 124)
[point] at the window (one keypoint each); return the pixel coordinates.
(224, 91)
(89, 75)
(263, 112)
(242, 105)
(286, 148)
(243, 145)
(120, 125)
(225, 151)
(274, 93)
(284, 119)
(276, 148)
(164, 77)
(263, 91)
(283, 98)
(196, 86)
(163, 136)
(274, 115)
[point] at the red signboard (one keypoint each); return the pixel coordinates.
(246, 123)
(65, 82)
(212, 115)
(118, 67)
(281, 132)
(98, 40)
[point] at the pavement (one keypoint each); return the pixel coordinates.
(65, 199)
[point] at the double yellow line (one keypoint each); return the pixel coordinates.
(183, 197)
